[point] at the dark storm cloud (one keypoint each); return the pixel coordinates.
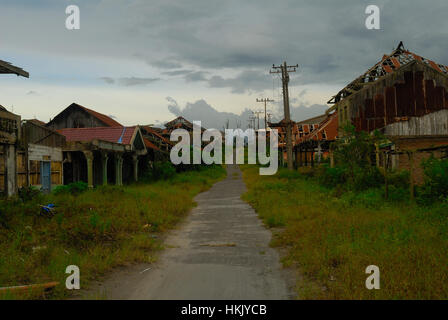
(246, 80)
(177, 72)
(195, 76)
(328, 39)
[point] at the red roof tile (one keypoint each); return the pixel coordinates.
(121, 135)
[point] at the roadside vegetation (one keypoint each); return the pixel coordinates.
(334, 222)
(95, 230)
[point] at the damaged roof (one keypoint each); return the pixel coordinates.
(6, 67)
(388, 64)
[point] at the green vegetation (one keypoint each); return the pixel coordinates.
(94, 229)
(333, 233)
(336, 221)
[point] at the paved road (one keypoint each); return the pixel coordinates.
(220, 252)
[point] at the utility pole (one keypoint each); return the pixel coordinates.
(284, 69)
(265, 100)
(251, 121)
(257, 114)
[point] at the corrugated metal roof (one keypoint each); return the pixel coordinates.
(122, 135)
(6, 67)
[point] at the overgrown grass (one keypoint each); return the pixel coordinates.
(333, 238)
(95, 230)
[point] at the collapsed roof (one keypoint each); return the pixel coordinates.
(388, 64)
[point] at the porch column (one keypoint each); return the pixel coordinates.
(135, 162)
(89, 158)
(104, 158)
(319, 152)
(118, 169)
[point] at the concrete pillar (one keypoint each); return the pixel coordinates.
(11, 169)
(104, 158)
(118, 169)
(89, 158)
(319, 152)
(135, 166)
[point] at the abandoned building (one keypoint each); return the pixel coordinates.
(40, 156)
(404, 96)
(314, 143)
(77, 116)
(160, 142)
(9, 138)
(103, 155)
(310, 138)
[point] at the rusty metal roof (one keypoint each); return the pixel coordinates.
(150, 145)
(388, 64)
(6, 67)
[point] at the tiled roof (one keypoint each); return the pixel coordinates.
(388, 64)
(122, 135)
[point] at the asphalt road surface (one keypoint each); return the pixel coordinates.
(220, 252)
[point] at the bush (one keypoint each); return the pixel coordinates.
(28, 193)
(366, 178)
(435, 187)
(399, 179)
(161, 170)
(74, 188)
(332, 177)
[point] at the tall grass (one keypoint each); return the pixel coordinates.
(96, 230)
(333, 239)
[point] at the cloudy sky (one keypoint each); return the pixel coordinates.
(145, 61)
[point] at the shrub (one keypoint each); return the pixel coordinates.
(161, 170)
(369, 177)
(399, 179)
(435, 187)
(74, 188)
(332, 177)
(28, 193)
